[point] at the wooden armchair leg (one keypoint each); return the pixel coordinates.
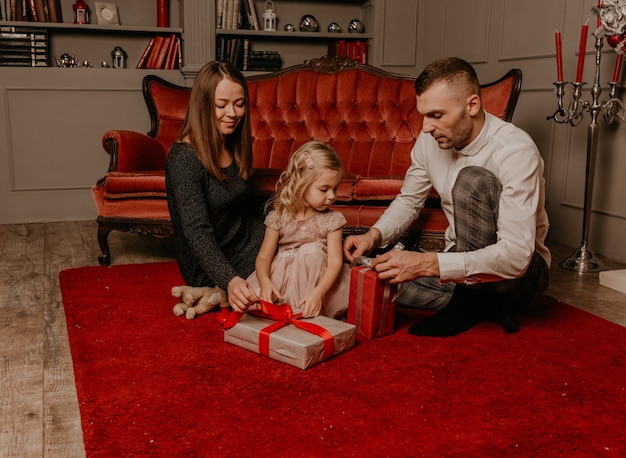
(160, 228)
(103, 240)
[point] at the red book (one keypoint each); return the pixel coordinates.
(172, 63)
(154, 54)
(362, 54)
(163, 52)
(371, 305)
(170, 49)
(146, 53)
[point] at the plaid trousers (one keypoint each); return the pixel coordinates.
(475, 196)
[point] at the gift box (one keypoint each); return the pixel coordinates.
(288, 342)
(371, 306)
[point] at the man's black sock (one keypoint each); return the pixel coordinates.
(497, 309)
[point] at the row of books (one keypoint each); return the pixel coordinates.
(237, 51)
(31, 10)
(237, 14)
(23, 47)
(162, 52)
(350, 49)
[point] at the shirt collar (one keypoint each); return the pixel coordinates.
(479, 142)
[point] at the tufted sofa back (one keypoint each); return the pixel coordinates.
(369, 119)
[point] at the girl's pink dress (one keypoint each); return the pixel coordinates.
(300, 260)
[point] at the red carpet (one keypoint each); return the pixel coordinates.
(153, 384)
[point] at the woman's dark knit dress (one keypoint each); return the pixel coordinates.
(218, 228)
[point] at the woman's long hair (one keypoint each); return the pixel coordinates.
(200, 127)
(304, 166)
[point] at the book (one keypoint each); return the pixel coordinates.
(40, 14)
(46, 11)
(144, 57)
(173, 58)
(220, 14)
(247, 13)
(32, 11)
(170, 51)
(255, 19)
(236, 55)
(246, 52)
(25, 7)
(11, 57)
(159, 62)
(154, 53)
(24, 63)
(236, 20)
(243, 18)
(228, 13)
(54, 9)
(179, 54)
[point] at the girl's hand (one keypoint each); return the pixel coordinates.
(270, 293)
(311, 304)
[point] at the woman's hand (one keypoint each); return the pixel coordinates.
(241, 295)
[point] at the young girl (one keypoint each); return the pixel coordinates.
(301, 260)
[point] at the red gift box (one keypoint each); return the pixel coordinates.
(371, 306)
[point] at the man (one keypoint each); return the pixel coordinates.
(489, 175)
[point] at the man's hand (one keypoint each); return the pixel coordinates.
(358, 245)
(402, 266)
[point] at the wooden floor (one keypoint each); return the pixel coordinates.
(39, 414)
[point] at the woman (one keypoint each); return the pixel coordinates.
(218, 222)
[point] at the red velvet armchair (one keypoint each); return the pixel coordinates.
(367, 115)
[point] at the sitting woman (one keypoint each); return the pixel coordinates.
(218, 222)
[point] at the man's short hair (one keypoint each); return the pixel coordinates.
(452, 70)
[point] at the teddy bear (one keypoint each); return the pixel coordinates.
(197, 300)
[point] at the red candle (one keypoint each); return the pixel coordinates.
(599, 23)
(618, 67)
(163, 13)
(581, 52)
(559, 56)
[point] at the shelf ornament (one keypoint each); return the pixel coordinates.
(81, 12)
(269, 17)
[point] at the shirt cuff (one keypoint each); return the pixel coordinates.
(451, 267)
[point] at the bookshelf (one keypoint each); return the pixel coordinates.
(296, 46)
(94, 42)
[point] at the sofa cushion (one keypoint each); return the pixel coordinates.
(382, 188)
(121, 185)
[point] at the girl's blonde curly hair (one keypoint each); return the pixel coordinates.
(303, 168)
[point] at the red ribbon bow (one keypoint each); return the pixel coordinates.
(283, 315)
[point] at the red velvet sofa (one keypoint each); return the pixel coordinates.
(367, 115)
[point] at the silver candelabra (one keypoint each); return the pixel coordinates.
(583, 259)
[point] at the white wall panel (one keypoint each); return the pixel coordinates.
(399, 33)
(527, 28)
(64, 121)
(465, 38)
